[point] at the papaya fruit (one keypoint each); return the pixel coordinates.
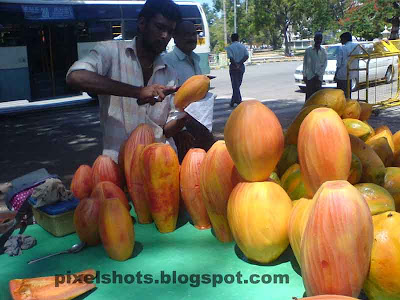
(378, 198)
(53, 287)
(357, 128)
(355, 170)
(396, 142)
(373, 169)
(385, 134)
(352, 110)
(383, 128)
(332, 98)
(292, 182)
(383, 282)
(292, 132)
(366, 110)
(288, 158)
(193, 89)
(370, 127)
(382, 148)
(392, 184)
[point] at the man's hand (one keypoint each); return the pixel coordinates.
(154, 93)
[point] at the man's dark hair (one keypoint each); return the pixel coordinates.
(234, 37)
(168, 8)
(346, 36)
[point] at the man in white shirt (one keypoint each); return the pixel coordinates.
(341, 65)
(131, 79)
(187, 63)
(237, 54)
(314, 65)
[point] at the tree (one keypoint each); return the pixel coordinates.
(367, 18)
(279, 15)
(210, 14)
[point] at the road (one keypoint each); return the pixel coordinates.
(62, 139)
(264, 81)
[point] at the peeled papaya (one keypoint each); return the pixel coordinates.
(53, 287)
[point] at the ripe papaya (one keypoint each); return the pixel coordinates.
(193, 89)
(373, 169)
(293, 130)
(53, 287)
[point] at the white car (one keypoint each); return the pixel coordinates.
(381, 68)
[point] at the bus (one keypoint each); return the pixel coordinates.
(41, 39)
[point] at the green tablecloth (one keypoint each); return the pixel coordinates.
(193, 254)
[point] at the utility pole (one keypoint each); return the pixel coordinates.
(234, 18)
(225, 33)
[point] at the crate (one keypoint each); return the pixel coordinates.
(58, 225)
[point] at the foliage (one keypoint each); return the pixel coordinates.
(272, 21)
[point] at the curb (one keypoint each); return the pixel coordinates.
(265, 61)
(32, 107)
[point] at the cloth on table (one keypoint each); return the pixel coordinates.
(20, 198)
(51, 191)
(15, 244)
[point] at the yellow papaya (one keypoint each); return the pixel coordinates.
(332, 98)
(382, 148)
(373, 169)
(193, 89)
(366, 110)
(357, 128)
(292, 132)
(352, 110)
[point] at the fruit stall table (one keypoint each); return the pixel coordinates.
(189, 252)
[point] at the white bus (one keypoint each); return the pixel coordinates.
(40, 39)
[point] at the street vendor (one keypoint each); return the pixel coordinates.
(131, 79)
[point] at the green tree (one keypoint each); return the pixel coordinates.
(210, 14)
(367, 18)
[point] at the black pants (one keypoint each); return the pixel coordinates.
(236, 81)
(312, 85)
(342, 85)
(203, 138)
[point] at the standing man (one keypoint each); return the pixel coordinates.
(237, 54)
(186, 63)
(132, 80)
(341, 64)
(314, 65)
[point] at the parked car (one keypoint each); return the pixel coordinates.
(382, 68)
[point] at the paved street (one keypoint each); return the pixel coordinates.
(62, 139)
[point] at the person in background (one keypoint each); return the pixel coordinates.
(314, 65)
(132, 80)
(187, 64)
(342, 60)
(237, 54)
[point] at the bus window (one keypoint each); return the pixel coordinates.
(130, 29)
(131, 11)
(93, 31)
(97, 12)
(11, 35)
(190, 11)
